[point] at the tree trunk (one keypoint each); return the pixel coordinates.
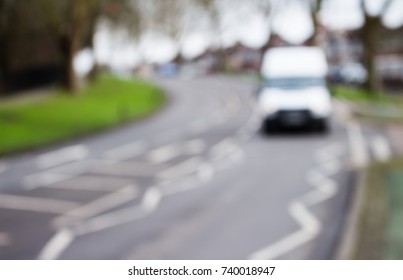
(369, 34)
(69, 46)
(3, 63)
(94, 73)
(314, 40)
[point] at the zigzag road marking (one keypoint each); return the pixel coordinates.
(325, 188)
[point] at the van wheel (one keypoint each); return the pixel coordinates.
(323, 126)
(269, 127)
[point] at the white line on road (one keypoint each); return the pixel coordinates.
(205, 172)
(150, 201)
(5, 239)
(165, 153)
(194, 147)
(92, 183)
(126, 151)
(357, 145)
(62, 156)
(182, 169)
(25, 203)
(310, 228)
(325, 188)
(329, 152)
(168, 152)
(61, 173)
(331, 167)
(199, 126)
(222, 149)
(3, 167)
(381, 148)
(180, 186)
(43, 179)
(131, 169)
(56, 245)
(97, 206)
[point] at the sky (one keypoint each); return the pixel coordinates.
(292, 23)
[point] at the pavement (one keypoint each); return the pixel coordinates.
(198, 180)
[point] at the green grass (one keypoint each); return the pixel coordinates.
(106, 103)
(381, 221)
(379, 108)
(394, 227)
(358, 95)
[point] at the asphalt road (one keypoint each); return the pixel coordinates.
(196, 181)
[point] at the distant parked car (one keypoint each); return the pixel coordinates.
(348, 73)
(353, 73)
(168, 70)
(294, 91)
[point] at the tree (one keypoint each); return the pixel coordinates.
(69, 21)
(369, 34)
(315, 7)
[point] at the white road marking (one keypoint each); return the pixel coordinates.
(57, 245)
(80, 167)
(237, 156)
(194, 147)
(222, 149)
(199, 126)
(130, 169)
(180, 186)
(97, 206)
(330, 152)
(310, 228)
(164, 153)
(3, 167)
(171, 151)
(62, 156)
(223, 164)
(43, 179)
(150, 201)
(25, 203)
(5, 239)
(205, 172)
(126, 151)
(331, 167)
(325, 188)
(357, 145)
(91, 183)
(184, 168)
(381, 148)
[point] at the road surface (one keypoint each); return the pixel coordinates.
(196, 181)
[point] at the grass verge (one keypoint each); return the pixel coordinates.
(380, 227)
(380, 108)
(106, 103)
(358, 95)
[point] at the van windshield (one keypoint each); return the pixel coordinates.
(295, 82)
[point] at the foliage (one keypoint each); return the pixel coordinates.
(105, 103)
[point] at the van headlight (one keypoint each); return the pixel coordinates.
(270, 109)
(319, 109)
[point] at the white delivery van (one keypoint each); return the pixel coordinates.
(294, 92)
